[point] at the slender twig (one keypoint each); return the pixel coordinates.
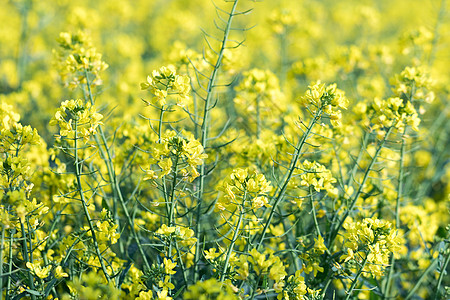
(205, 131)
(397, 211)
(287, 178)
(361, 186)
(78, 173)
(355, 281)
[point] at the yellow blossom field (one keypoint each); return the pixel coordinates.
(175, 149)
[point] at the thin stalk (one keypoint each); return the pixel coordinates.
(172, 196)
(288, 239)
(311, 200)
(172, 203)
(230, 249)
(25, 257)
(83, 202)
(441, 276)
(8, 280)
(397, 211)
(195, 102)
(288, 176)
(161, 116)
(234, 239)
(361, 186)
(324, 290)
(107, 158)
(204, 132)
(412, 292)
(355, 281)
(180, 261)
(1, 262)
(352, 175)
(358, 160)
(252, 296)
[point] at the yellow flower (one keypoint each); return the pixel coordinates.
(169, 266)
(166, 284)
(145, 295)
(165, 230)
(163, 295)
(319, 245)
(211, 254)
(59, 273)
(38, 270)
(166, 166)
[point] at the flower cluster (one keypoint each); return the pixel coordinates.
(107, 232)
(394, 112)
(78, 114)
(312, 256)
(413, 84)
(260, 265)
(183, 235)
(7, 116)
(317, 176)
(370, 243)
(160, 275)
(292, 288)
(209, 289)
(130, 206)
(164, 83)
(92, 286)
(16, 171)
(326, 99)
(259, 94)
(76, 58)
(410, 87)
(416, 38)
(246, 188)
(43, 272)
(175, 153)
(15, 136)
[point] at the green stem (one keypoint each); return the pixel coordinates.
(180, 261)
(355, 281)
(361, 186)
(288, 176)
(397, 211)
(25, 257)
(107, 158)
(1, 261)
(252, 296)
(311, 200)
(161, 116)
(78, 174)
(8, 280)
(204, 133)
(234, 239)
(441, 275)
(172, 203)
(412, 292)
(172, 196)
(358, 160)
